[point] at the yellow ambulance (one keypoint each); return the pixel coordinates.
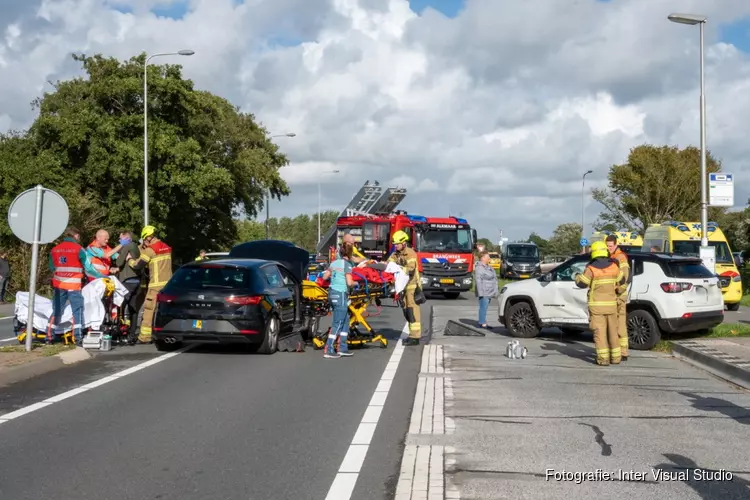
(629, 241)
(684, 238)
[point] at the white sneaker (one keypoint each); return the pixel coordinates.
(331, 356)
(346, 354)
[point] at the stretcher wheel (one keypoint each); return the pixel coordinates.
(384, 343)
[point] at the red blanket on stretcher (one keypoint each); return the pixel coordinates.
(364, 274)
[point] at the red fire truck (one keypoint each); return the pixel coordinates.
(444, 246)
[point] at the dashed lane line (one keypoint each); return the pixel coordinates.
(91, 385)
(348, 473)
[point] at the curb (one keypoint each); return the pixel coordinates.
(41, 366)
(720, 368)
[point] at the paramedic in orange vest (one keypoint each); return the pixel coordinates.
(101, 254)
(157, 255)
(68, 262)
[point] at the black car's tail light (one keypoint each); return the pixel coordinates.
(244, 300)
(164, 298)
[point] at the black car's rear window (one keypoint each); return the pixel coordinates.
(688, 270)
(211, 276)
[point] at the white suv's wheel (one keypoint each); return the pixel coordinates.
(522, 321)
(643, 330)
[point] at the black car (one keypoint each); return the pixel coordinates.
(256, 302)
(520, 261)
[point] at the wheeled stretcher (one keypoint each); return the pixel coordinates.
(369, 290)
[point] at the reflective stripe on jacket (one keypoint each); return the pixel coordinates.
(622, 259)
(68, 272)
(158, 258)
(602, 277)
(407, 258)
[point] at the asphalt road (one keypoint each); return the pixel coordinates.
(557, 410)
(207, 424)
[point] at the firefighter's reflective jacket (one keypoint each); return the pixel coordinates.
(605, 281)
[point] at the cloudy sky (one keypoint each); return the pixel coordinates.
(492, 109)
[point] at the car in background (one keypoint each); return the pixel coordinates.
(668, 294)
(521, 261)
(739, 260)
(495, 261)
(237, 300)
(216, 255)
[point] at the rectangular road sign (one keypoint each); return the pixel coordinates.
(721, 190)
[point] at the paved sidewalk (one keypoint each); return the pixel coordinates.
(7, 310)
(555, 425)
(728, 358)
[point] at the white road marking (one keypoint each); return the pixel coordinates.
(92, 385)
(346, 478)
(8, 339)
(3, 319)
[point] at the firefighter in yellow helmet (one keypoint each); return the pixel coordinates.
(407, 258)
(622, 298)
(157, 255)
(605, 281)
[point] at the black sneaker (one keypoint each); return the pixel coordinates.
(410, 341)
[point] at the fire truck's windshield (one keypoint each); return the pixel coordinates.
(445, 240)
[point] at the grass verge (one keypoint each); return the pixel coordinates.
(40, 349)
(724, 330)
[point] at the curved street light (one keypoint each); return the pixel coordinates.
(583, 205)
(268, 191)
(692, 20)
(184, 52)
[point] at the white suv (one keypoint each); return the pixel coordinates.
(666, 294)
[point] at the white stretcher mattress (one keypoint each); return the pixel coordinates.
(93, 308)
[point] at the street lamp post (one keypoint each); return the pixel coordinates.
(319, 199)
(583, 204)
(268, 191)
(692, 20)
(145, 125)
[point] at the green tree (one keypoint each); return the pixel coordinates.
(565, 239)
(606, 227)
(540, 242)
(736, 227)
(488, 245)
(208, 162)
(301, 230)
(656, 184)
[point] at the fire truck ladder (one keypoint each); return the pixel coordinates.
(371, 199)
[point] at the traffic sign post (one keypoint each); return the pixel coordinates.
(37, 215)
(721, 190)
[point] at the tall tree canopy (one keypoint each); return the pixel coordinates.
(301, 230)
(656, 184)
(208, 162)
(565, 239)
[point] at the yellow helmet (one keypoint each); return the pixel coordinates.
(599, 249)
(400, 237)
(147, 231)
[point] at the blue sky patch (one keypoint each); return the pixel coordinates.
(450, 8)
(736, 33)
(176, 10)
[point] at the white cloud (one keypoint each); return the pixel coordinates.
(494, 114)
